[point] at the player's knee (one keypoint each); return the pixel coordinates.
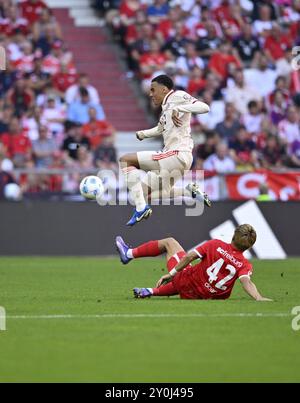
(169, 242)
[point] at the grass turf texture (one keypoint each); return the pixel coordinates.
(212, 348)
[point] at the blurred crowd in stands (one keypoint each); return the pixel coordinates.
(50, 115)
(235, 55)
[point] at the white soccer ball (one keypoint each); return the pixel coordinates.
(13, 192)
(91, 187)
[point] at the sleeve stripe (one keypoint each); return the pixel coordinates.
(244, 275)
(201, 257)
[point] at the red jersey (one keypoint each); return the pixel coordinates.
(32, 11)
(215, 275)
(16, 144)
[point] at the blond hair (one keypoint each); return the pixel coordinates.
(244, 237)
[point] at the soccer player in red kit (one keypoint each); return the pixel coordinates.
(221, 264)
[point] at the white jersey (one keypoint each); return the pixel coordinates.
(176, 138)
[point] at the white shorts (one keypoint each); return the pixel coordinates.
(164, 168)
(167, 161)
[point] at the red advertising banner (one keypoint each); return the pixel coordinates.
(282, 186)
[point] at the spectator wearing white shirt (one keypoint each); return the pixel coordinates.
(216, 114)
(240, 94)
(54, 117)
(253, 119)
(288, 128)
(262, 79)
(263, 25)
(73, 93)
(185, 65)
(220, 162)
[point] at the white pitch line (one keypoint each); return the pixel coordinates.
(146, 315)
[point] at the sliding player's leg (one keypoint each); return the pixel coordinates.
(149, 249)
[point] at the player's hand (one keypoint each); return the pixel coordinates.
(140, 135)
(164, 280)
(176, 119)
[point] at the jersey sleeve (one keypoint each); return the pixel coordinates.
(246, 270)
(202, 249)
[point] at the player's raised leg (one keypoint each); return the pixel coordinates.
(130, 167)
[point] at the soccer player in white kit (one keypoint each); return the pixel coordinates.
(166, 167)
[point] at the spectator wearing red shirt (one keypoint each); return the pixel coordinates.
(20, 97)
(276, 46)
(13, 23)
(151, 62)
(64, 79)
(97, 130)
(196, 82)
(222, 59)
(17, 144)
(32, 9)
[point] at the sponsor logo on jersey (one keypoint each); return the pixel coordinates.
(230, 257)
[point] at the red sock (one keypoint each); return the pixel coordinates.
(147, 249)
(165, 290)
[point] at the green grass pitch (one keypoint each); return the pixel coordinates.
(111, 337)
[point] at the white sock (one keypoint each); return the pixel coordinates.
(129, 254)
(133, 180)
(151, 290)
(173, 194)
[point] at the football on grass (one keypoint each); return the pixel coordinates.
(91, 187)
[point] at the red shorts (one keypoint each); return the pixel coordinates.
(182, 286)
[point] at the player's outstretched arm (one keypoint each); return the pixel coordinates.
(250, 289)
(196, 107)
(144, 134)
(184, 262)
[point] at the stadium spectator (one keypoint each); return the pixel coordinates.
(97, 130)
(73, 93)
(17, 144)
(32, 10)
(6, 114)
(288, 128)
(205, 150)
(220, 162)
(58, 56)
(263, 23)
(253, 119)
(6, 164)
(43, 149)
(278, 107)
(261, 78)
(20, 97)
(157, 11)
(53, 117)
(242, 150)
(210, 120)
(224, 60)
(273, 154)
(240, 94)
(105, 156)
(45, 22)
(73, 141)
(247, 45)
(78, 111)
(230, 125)
(185, 64)
(294, 154)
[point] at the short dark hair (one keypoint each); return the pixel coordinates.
(165, 80)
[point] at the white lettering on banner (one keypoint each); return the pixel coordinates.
(286, 192)
(243, 181)
(267, 245)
